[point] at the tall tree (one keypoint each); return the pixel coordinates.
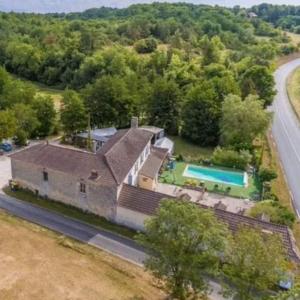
(109, 102)
(184, 243)
(7, 124)
(242, 120)
(46, 114)
(165, 105)
(201, 115)
(26, 121)
(73, 114)
(255, 263)
(258, 80)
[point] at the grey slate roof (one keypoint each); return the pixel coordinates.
(100, 134)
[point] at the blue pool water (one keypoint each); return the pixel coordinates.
(216, 175)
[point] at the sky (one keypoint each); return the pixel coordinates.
(44, 6)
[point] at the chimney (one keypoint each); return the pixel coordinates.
(134, 122)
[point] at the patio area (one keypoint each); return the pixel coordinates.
(231, 204)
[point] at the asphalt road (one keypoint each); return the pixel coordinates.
(286, 132)
(105, 240)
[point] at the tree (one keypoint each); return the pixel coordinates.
(242, 121)
(46, 114)
(266, 174)
(255, 263)
(184, 243)
(7, 124)
(201, 115)
(165, 105)
(148, 45)
(73, 114)
(26, 121)
(109, 102)
(277, 213)
(258, 80)
(211, 50)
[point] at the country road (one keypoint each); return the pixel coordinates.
(113, 243)
(286, 132)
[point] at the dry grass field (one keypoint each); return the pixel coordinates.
(38, 264)
(293, 87)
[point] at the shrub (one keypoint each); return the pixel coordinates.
(231, 159)
(278, 213)
(146, 46)
(266, 174)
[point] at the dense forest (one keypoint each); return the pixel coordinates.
(285, 16)
(170, 64)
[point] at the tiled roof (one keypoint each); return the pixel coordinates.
(154, 162)
(147, 202)
(70, 161)
(123, 154)
(112, 162)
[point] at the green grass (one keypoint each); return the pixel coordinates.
(70, 211)
(190, 151)
(43, 90)
(176, 177)
(293, 88)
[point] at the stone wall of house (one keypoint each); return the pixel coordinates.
(100, 200)
(130, 218)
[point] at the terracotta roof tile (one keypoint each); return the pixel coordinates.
(154, 162)
(123, 154)
(112, 163)
(147, 202)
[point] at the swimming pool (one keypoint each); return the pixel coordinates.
(216, 175)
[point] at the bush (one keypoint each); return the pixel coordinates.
(278, 214)
(266, 174)
(288, 49)
(231, 159)
(146, 46)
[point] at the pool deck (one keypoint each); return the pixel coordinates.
(227, 203)
(176, 177)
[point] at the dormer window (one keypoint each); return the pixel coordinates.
(82, 188)
(45, 176)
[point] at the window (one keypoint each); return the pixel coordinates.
(45, 176)
(136, 167)
(82, 188)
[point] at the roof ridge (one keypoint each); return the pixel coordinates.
(117, 142)
(69, 148)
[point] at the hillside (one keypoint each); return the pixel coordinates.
(47, 6)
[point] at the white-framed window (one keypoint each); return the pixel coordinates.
(136, 167)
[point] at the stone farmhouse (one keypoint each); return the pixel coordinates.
(117, 182)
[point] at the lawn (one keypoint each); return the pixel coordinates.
(190, 151)
(37, 263)
(70, 211)
(44, 90)
(293, 88)
(176, 177)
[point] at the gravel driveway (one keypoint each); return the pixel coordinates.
(5, 171)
